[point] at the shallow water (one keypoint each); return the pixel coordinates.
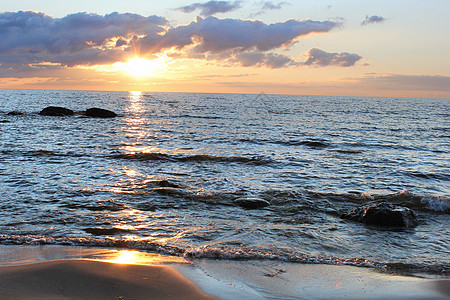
(164, 175)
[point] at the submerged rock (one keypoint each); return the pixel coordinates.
(169, 191)
(166, 183)
(100, 113)
(383, 214)
(106, 231)
(15, 113)
(56, 111)
(251, 203)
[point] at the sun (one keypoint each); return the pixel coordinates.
(140, 67)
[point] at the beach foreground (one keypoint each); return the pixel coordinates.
(56, 272)
(83, 279)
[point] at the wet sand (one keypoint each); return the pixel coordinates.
(84, 279)
(58, 272)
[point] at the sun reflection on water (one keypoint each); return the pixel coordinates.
(134, 128)
(135, 98)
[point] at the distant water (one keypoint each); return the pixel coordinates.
(163, 175)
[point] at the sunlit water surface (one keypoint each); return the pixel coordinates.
(164, 175)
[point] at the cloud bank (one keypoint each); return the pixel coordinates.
(87, 39)
(405, 82)
(211, 8)
(33, 40)
(217, 35)
(372, 20)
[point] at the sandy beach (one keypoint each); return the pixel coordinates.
(56, 272)
(83, 279)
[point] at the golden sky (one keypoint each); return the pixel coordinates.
(349, 48)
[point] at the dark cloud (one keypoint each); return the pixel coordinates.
(261, 59)
(75, 39)
(211, 8)
(121, 42)
(373, 20)
(34, 41)
(218, 35)
(268, 5)
(317, 57)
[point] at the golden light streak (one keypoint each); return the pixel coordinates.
(137, 258)
(126, 257)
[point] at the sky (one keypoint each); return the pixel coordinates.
(305, 47)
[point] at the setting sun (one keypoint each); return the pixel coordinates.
(141, 67)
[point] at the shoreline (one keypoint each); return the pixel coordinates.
(35, 272)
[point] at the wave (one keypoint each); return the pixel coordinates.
(309, 143)
(417, 201)
(332, 202)
(429, 175)
(156, 156)
(314, 144)
(224, 253)
(349, 151)
(201, 117)
(282, 201)
(41, 153)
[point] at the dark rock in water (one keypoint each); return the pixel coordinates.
(383, 214)
(146, 207)
(15, 113)
(5, 121)
(106, 231)
(169, 191)
(166, 183)
(56, 111)
(315, 144)
(100, 113)
(251, 203)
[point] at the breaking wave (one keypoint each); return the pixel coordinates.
(225, 253)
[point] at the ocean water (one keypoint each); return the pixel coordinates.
(164, 175)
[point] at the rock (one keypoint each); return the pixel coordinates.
(383, 214)
(56, 111)
(146, 207)
(169, 191)
(314, 144)
(251, 203)
(100, 113)
(15, 113)
(166, 183)
(106, 231)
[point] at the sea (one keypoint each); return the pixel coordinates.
(165, 176)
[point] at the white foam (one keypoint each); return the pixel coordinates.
(436, 203)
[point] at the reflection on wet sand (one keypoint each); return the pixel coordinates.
(13, 255)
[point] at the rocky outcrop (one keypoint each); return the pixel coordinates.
(62, 111)
(383, 214)
(100, 113)
(251, 203)
(56, 111)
